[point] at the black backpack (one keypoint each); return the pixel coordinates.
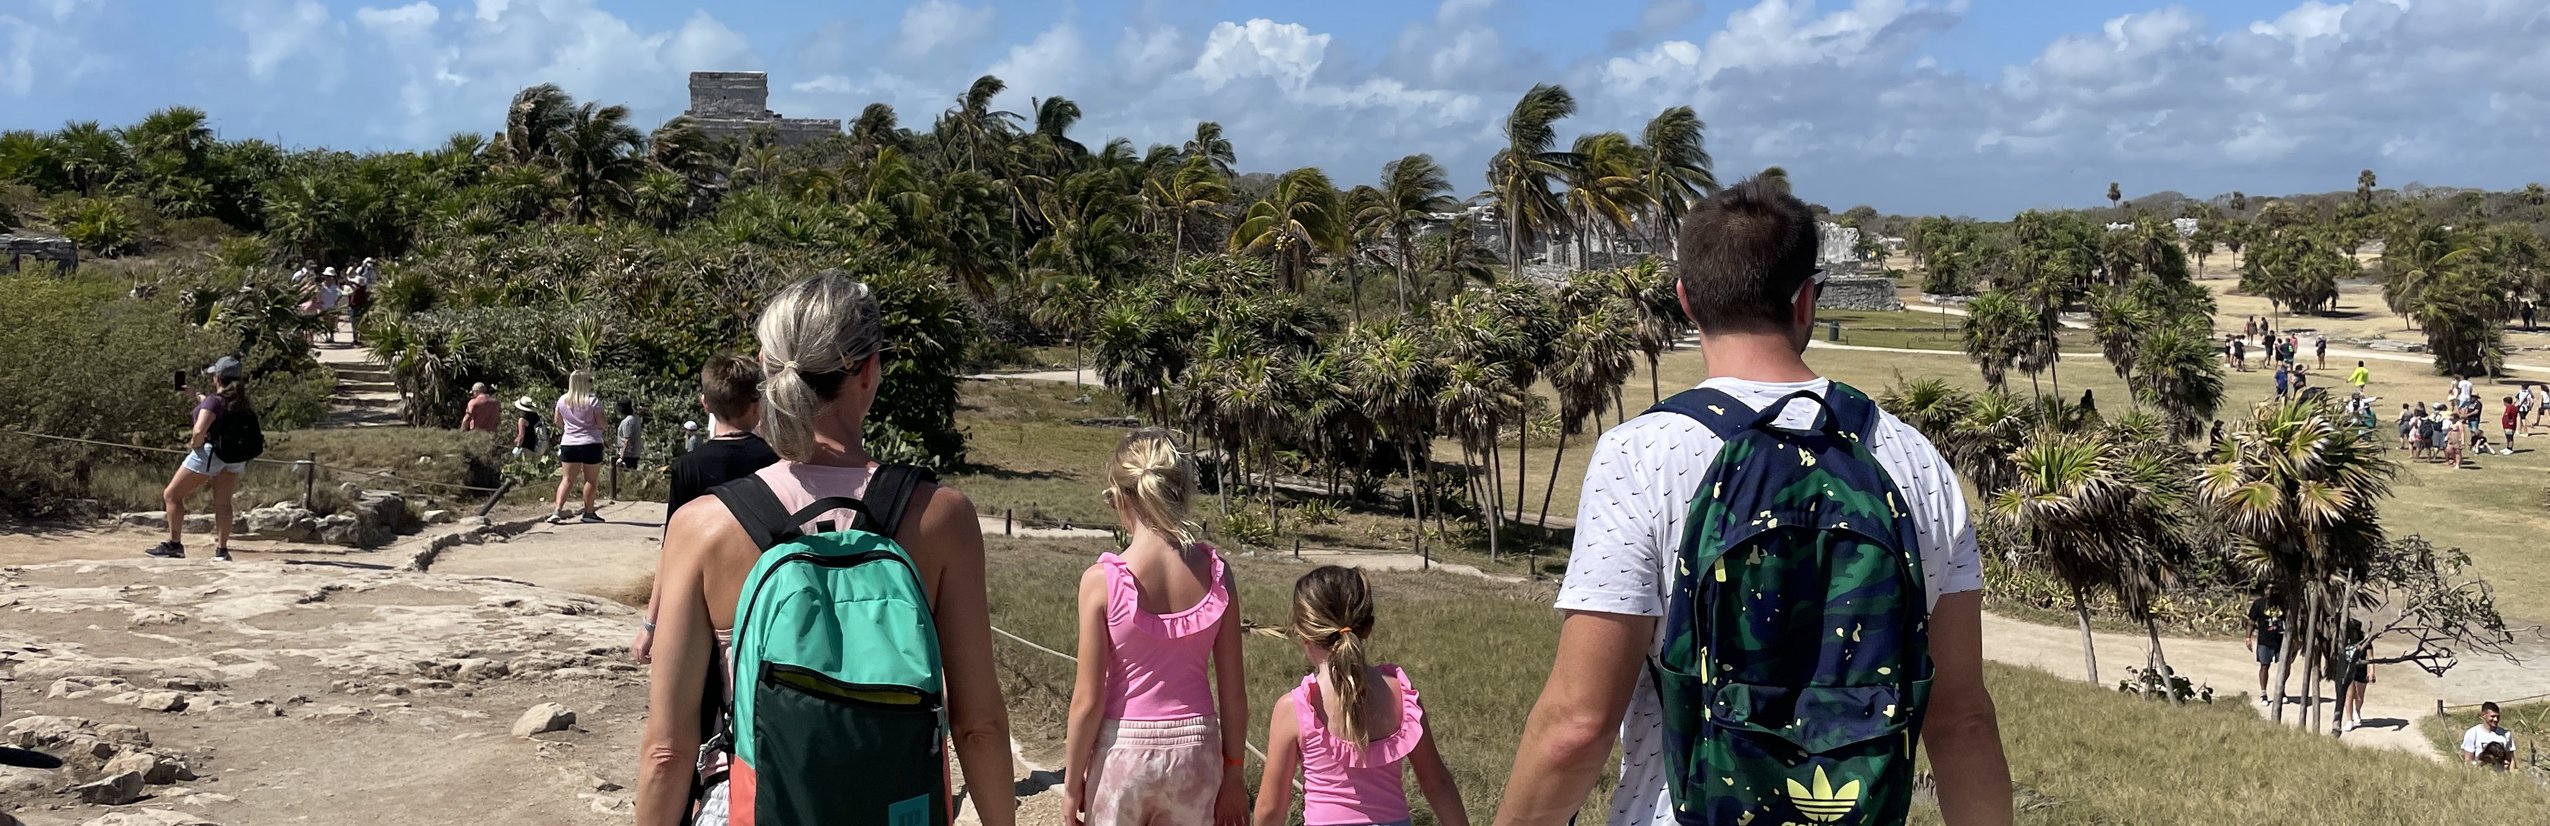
(236, 436)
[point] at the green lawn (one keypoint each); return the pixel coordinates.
(2080, 754)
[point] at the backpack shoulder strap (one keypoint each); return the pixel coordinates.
(757, 509)
(890, 495)
(1712, 408)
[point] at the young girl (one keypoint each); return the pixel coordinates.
(2510, 419)
(2454, 437)
(1144, 739)
(1351, 725)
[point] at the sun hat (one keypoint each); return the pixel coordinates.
(228, 367)
(525, 404)
(690, 425)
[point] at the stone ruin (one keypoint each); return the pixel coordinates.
(64, 254)
(736, 105)
(1848, 285)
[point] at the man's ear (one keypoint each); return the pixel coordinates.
(1684, 298)
(1802, 313)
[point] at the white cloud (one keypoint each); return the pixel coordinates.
(410, 17)
(1285, 52)
(278, 32)
(932, 26)
(1658, 19)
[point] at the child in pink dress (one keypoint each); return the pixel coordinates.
(1350, 726)
(1159, 644)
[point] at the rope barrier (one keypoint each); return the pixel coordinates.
(2499, 702)
(260, 461)
(1252, 747)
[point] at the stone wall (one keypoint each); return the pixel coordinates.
(735, 105)
(1859, 292)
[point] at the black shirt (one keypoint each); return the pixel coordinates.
(716, 462)
(2267, 620)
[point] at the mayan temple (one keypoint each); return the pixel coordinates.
(737, 104)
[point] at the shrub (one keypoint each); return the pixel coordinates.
(99, 226)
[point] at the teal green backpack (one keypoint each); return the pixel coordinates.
(839, 716)
(1796, 659)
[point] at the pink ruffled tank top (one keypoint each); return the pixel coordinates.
(1342, 784)
(1161, 668)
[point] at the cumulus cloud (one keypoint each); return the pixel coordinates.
(1659, 19)
(278, 32)
(932, 26)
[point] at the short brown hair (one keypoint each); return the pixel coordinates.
(730, 385)
(1743, 253)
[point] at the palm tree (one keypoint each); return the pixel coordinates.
(1647, 288)
(1072, 302)
(1775, 177)
(1475, 400)
(2115, 198)
(1521, 173)
(1196, 187)
(1412, 189)
(1296, 221)
(1137, 357)
(1603, 189)
(596, 151)
(1524, 308)
(973, 127)
(2179, 373)
(2119, 322)
(1589, 362)
(1676, 172)
(533, 122)
(874, 129)
(1998, 330)
(1209, 144)
(2301, 490)
(91, 157)
(1398, 379)
(2073, 509)
(1054, 118)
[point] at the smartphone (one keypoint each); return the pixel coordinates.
(177, 379)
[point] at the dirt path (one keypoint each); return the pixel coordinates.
(365, 394)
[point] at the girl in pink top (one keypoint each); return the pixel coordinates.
(1349, 726)
(1159, 645)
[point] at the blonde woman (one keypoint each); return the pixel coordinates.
(1159, 645)
(820, 340)
(579, 444)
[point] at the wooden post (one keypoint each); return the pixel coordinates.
(1297, 550)
(1009, 521)
(2439, 706)
(501, 489)
(614, 462)
(309, 480)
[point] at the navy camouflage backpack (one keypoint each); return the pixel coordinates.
(1796, 660)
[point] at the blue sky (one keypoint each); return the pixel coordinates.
(1978, 107)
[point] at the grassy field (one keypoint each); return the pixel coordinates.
(2081, 755)
(1918, 330)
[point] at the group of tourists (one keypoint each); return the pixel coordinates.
(581, 443)
(328, 294)
(2283, 352)
(2453, 428)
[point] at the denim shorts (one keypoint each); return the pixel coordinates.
(204, 462)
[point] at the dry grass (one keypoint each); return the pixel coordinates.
(2528, 721)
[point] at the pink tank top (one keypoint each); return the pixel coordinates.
(1342, 784)
(1161, 668)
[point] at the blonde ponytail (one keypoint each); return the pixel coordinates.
(1153, 477)
(814, 336)
(1332, 608)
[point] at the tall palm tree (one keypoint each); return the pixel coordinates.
(1194, 188)
(1054, 118)
(91, 157)
(1647, 288)
(1296, 222)
(2302, 491)
(596, 152)
(1997, 332)
(2120, 322)
(1677, 169)
(1475, 400)
(1589, 362)
(2115, 198)
(975, 129)
(2072, 507)
(183, 133)
(533, 121)
(1412, 189)
(875, 129)
(1604, 193)
(1520, 174)
(2179, 374)
(1399, 378)
(1524, 308)
(1072, 302)
(1209, 144)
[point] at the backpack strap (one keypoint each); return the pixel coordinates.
(1846, 410)
(1711, 407)
(890, 495)
(757, 509)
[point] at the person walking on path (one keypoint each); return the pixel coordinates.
(579, 445)
(1352, 728)
(2361, 377)
(2266, 635)
(821, 341)
(2510, 420)
(631, 428)
(2479, 737)
(1159, 645)
(1747, 278)
(527, 429)
(224, 438)
(2240, 354)
(358, 297)
(482, 415)
(730, 389)
(2357, 678)
(2320, 348)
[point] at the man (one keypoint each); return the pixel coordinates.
(691, 437)
(2361, 377)
(2461, 390)
(2480, 736)
(1747, 278)
(2284, 380)
(630, 428)
(2320, 347)
(359, 298)
(2266, 636)
(2240, 354)
(482, 415)
(730, 389)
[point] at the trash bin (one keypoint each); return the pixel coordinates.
(1833, 331)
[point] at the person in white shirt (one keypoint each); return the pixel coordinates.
(1748, 280)
(2479, 736)
(2461, 390)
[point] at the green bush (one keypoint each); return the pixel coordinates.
(99, 226)
(79, 359)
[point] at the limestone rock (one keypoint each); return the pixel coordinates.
(143, 519)
(155, 769)
(169, 701)
(150, 817)
(438, 517)
(544, 718)
(340, 529)
(288, 521)
(124, 735)
(114, 790)
(198, 523)
(41, 731)
(344, 714)
(14, 779)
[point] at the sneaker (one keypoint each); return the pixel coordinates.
(167, 550)
(221, 554)
(591, 518)
(559, 518)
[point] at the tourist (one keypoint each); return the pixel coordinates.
(2301, 378)
(2527, 316)
(2251, 328)
(358, 298)
(1351, 727)
(2432, 426)
(2510, 420)
(691, 437)
(2456, 436)
(2240, 354)
(2361, 377)
(579, 416)
(527, 429)
(481, 415)
(1159, 644)
(2523, 402)
(2358, 655)
(301, 277)
(2284, 381)
(2320, 348)
(631, 427)
(2266, 636)
(2461, 389)
(2214, 441)
(730, 389)
(2470, 414)
(1748, 280)
(2479, 737)
(331, 297)
(225, 437)
(820, 343)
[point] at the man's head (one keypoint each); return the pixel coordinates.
(2359, 364)
(480, 389)
(2488, 714)
(1745, 255)
(730, 388)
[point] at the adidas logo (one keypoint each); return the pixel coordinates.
(1823, 803)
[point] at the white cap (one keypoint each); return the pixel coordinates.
(690, 425)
